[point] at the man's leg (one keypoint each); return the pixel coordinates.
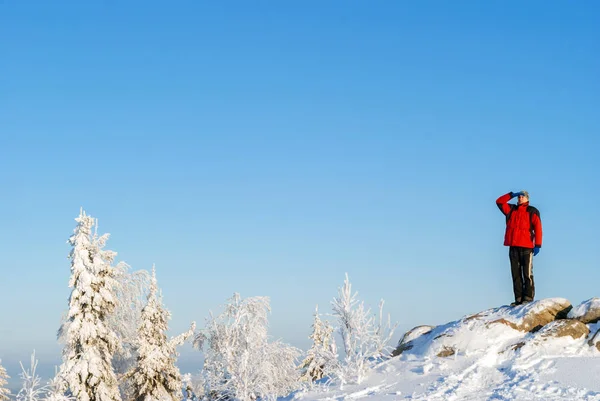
(515, 269)
(526, 261)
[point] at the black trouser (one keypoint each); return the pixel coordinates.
(521, 267)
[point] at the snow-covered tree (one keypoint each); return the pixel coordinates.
(280, 375)
(130, 294)
(90, 343)
(321, 357)
(365, 340)
(239, 361)
(32, 389)
(193, 387)
(155, 377)
(4, 392)
(56, 389)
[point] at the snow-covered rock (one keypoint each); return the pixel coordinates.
(535, 315)
(564, 327)
(406, 340)
(504, 322)
(594, 336)
(586, 312)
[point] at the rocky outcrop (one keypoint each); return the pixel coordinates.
(505, 330)
(533, 316)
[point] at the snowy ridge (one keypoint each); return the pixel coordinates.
(484, 357)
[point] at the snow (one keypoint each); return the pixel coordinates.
(584, 308)
(535, 351)
(492, 361)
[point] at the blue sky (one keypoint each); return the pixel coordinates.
(268, 148)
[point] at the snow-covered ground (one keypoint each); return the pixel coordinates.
(491, 361)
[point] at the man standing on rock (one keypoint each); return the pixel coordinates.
(524, 237)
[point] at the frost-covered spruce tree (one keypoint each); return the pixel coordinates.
(240, 363)
(4, 392)
(321, 356)
(155, 377)
(90, 343)
(130, 295)
(365, 340)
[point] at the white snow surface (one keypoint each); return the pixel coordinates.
(491, 362)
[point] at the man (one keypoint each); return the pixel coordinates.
(524, 237)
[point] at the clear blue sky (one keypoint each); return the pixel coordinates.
(267, 148)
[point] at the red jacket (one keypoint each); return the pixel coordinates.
(523, 223)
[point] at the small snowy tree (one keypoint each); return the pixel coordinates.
(321, 357)
(4, 392)
(155, 377)
(239, 361)
(193, 387)
(56, 389)
(280, 375)
(90, 343)
(32, 389)
(365, 340)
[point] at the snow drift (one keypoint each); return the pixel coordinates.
(544, 350)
